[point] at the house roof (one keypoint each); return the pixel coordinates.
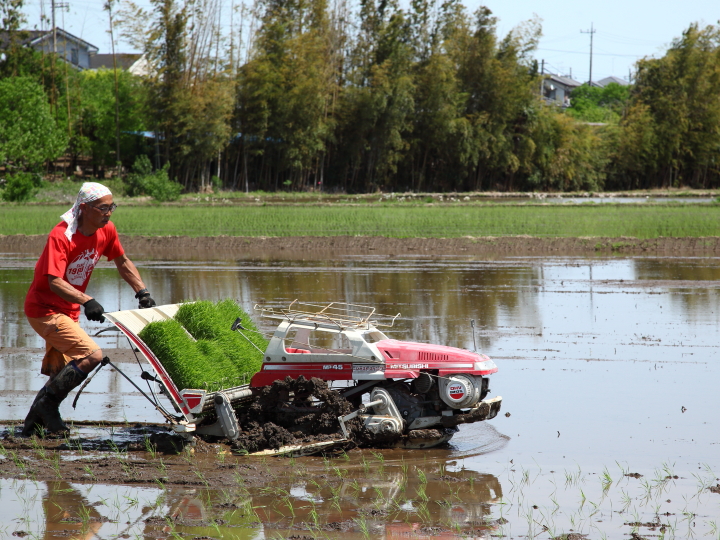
(124, 60)
(36, 37)
(612, 79)
(567, 81)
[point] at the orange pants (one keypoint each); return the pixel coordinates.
(64, 341)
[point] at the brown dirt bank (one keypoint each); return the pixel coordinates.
(314, 247)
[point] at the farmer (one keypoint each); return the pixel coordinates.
(53, 302)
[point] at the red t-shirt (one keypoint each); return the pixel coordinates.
(72, 260)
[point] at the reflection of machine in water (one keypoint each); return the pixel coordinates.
(393, 502)
(387, 502)
(387, 499)
(450, 499)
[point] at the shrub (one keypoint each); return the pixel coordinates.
(157, 184)
(21, 187)
(29, 133)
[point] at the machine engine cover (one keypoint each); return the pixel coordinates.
(460, 391)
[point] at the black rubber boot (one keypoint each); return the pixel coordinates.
(33, 420)
(46, 409)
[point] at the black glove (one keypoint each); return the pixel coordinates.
(144, 299)
(94, 311)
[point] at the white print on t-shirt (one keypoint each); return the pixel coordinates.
(79, 270)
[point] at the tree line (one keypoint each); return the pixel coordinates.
(299, 95)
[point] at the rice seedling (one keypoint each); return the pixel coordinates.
(378, 456)
(641, 221)
(606, 479)
(89, 471)
(212, 322)
(214, 357)
(340, 473)
(202, 478)
(84, 514)
(161, 467)
(215, 526)
(288, 503)
(525, 476)
(55, 465)
(150, 448)
(315, 517)
(421, 476)
(422, 512)
(626, 500)
(129, 469)
(647, 490)
(16, 459)
(361, 522)
(421, 494)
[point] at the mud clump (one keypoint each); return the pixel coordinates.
(168, 443)
(293, 411)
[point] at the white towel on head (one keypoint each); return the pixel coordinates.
(90, 191)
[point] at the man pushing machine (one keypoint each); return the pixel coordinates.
(52, 305)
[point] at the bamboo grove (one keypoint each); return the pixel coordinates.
(301, 94)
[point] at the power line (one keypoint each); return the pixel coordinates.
(595, 54)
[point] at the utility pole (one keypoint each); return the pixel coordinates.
(109, 7)
(591, 32)
(542, 76)
(56, 5)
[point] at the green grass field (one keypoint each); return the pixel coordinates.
(391, 220)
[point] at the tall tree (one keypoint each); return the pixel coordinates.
(378, 102)
(676, 105)
(286, 91)
(190, 95)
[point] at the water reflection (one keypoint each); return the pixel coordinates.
(693, 285)
(382, 499)
(437, 299)
(63, 509)
(517, 303)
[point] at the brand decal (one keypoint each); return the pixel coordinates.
(456, 391)
(361, 368)
(332, 366)
(79, 270)
(409, 366)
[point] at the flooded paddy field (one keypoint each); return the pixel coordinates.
(608, 369)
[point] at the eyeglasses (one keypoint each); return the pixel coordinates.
(104, 209)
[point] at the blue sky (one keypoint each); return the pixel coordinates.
(626, 30)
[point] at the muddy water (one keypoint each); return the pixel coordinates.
(607, 366)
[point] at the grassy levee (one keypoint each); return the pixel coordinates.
(392, 220)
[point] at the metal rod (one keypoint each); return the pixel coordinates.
(168, 417)
(472, 325)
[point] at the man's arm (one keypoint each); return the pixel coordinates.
(129, 272)
(66, 291)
